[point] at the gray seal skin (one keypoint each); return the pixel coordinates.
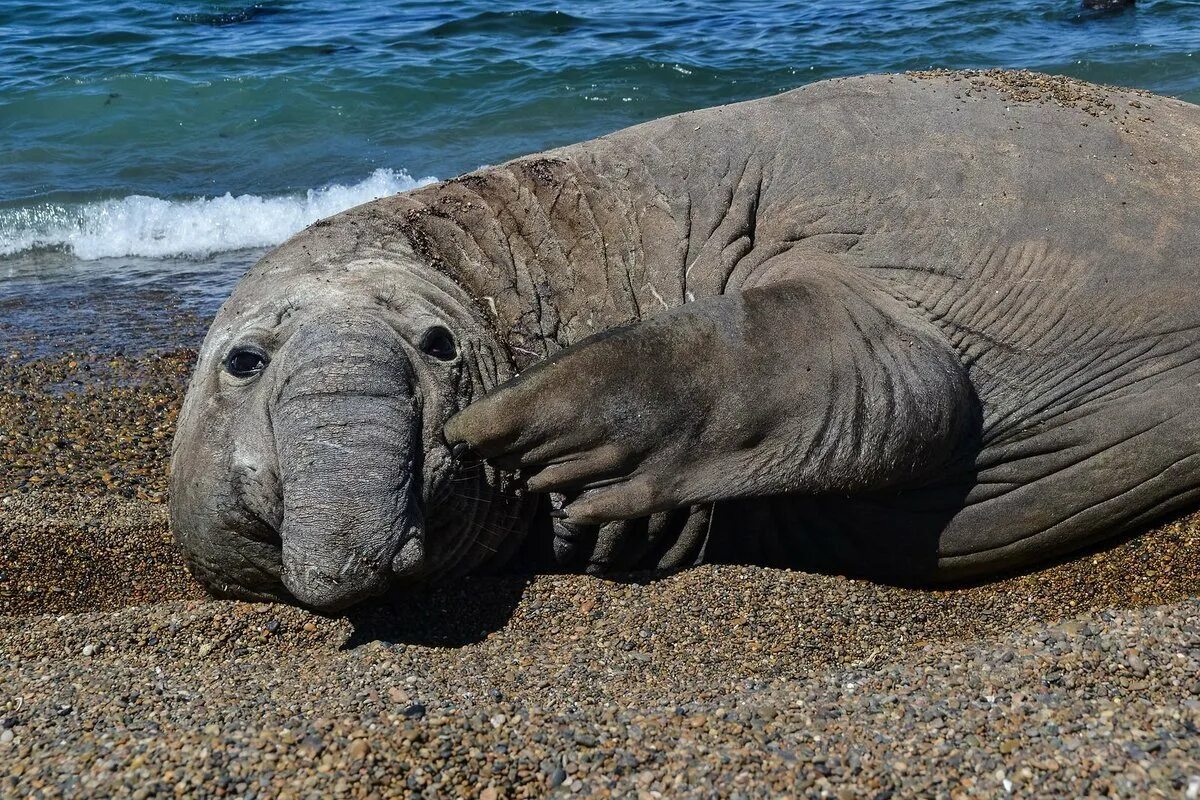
(913, 327)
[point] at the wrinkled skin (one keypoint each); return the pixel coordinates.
(915, 328)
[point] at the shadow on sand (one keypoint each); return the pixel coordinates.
(448, 616)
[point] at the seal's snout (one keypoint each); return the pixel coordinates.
(323, 591)
(347, 420)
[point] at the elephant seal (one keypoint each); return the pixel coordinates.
(915, 327)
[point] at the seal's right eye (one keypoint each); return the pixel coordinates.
(245, 362)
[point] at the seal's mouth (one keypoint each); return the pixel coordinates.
(256, 581)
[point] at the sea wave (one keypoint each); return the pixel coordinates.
(138, 225)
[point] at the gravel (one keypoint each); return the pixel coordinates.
(117, 678)
(720, 680)
(61, 552)
(1023, 86)
(98, 425)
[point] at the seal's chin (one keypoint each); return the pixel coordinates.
(235, 592)
(244, 555)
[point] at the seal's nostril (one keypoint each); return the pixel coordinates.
(411, 556)
(460, 450)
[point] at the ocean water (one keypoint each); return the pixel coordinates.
(164, 145)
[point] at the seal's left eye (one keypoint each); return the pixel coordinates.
(245, 362)
(439, 343)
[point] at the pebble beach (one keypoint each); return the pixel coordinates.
(119, 678)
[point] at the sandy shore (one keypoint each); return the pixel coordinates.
(118, 678)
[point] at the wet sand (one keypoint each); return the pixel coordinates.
(117, 677)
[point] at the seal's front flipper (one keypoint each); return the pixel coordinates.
(817, 383)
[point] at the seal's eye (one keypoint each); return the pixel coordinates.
(245, 362)
(439, 343)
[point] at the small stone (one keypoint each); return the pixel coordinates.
(359, 749)
(414, 711)
(89, 650)
(6, 736)
(312, 745)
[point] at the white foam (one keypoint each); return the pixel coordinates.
(149, 226)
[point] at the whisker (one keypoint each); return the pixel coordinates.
(472, 464)
(482, 543)
(496, 532)
(471, 497)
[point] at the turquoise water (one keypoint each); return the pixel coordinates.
(135, 134)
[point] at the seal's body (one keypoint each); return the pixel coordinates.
(916, 327)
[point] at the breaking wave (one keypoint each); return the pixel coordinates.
(138, 225)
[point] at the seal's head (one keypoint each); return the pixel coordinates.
(309, 464)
